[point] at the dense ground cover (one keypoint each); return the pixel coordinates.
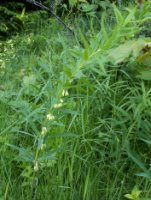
(75, 110)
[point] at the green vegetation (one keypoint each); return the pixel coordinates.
(75, 110)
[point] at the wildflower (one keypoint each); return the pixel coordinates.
(43, 131)
(36, 167)
(50, 117)
(59, 105)
(65, 93)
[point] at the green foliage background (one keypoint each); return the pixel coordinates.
(75, 110)
(12, 21)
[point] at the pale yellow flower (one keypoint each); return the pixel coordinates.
(59, 105)
(50, 117)
(65, 93)
(43, 131)
(36, 167)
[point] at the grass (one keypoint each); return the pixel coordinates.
(75, 122)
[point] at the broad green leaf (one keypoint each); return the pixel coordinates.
(144, 174)
(120, 53)
(145, 75)
(123, 51)
(134, 194)
(147, 141)
(129, 196)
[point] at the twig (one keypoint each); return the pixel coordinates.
(40, 5)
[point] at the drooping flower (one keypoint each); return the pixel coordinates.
(65, 93)
(50, 117)
(59, 105)
(43, 131)
(36, 167)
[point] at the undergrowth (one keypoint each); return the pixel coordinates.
(75, 111)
